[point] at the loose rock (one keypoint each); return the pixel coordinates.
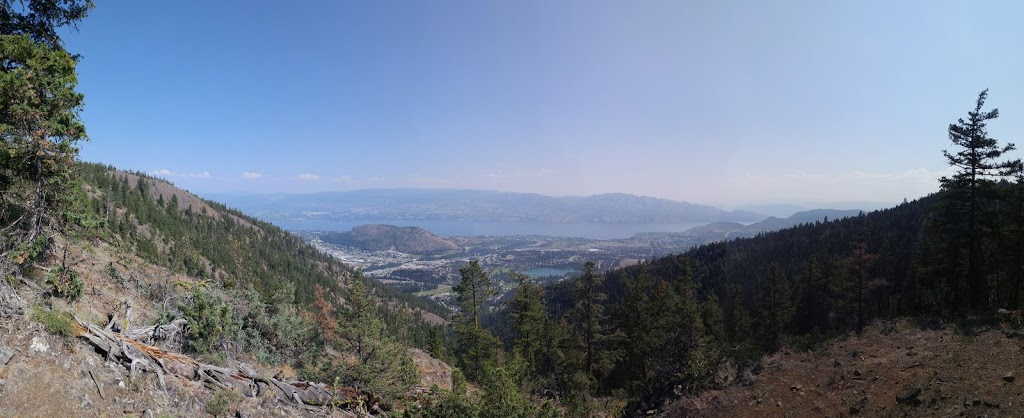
(909, 396)
(6, 354)
(39, 344)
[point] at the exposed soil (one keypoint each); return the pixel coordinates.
(910, 372)
(431, 371)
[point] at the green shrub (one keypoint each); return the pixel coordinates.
(209, 321)
(114, 274)
(65, 283)
(221, 403)
(55, 322)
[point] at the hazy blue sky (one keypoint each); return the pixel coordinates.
(719, 102)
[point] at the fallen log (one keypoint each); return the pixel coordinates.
(135, 355)
(159, 332)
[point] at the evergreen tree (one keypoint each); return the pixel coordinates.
(687, 343)
(476, 346)
(39, 127)
(369, 357)
(978, 167)
(643, 323)
(531, 326)
(590, 320)
(859, 262)
(40, 20)
(738, 322)
(380, 363)
(775, 308)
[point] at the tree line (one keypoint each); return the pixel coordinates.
(661, 328)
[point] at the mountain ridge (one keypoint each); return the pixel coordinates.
(478, 205)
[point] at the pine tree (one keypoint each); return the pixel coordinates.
(476, 346)
(642, 324)
(859, 262)
(531, 326)
(687, 343)
(39, 127)
(978, 165)
(377, 362)
(590, 320)
(775, 308)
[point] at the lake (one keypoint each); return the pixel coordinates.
(495, 228)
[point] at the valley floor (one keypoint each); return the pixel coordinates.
(908, 373)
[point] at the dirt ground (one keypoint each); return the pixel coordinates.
(910, 372)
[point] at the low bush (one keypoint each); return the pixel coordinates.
(55, 322)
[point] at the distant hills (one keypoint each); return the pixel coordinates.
(409, 239)
(728, 230)
(416, 240)
(477, 205)
(782, 210)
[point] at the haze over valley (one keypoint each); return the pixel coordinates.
(517, 209)
(418, 261)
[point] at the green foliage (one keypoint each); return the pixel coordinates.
(473, 289)
(967, 209)
(222, 403)
(775, 309)
(226, 245)
(533, 332)
(31, 250)
(41, 20)
(590, 321)
(210, 321)
(367, 357)
(271, 332)
(115, 276)
(39, 127)
(476, 346)
(55, 322)
(65, 283)
(440, 403)
(502, 397)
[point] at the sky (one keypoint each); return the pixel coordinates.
(715, 102)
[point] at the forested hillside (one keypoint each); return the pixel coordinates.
(204, 239)
(676, 325)
(222, 247)
(215, 284)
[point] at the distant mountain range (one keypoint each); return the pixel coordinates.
(477, 205)
(416, 240)
(729, 230)
(783, 210)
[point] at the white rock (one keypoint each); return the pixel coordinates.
(39, 344)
